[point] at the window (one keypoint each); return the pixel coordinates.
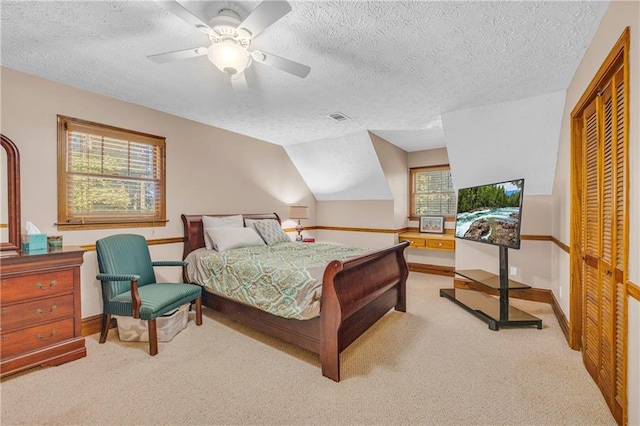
(109, 177)
(431, 192)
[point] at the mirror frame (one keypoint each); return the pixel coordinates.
(13, 194)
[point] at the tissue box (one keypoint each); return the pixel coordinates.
(167, 326)
(34, 242)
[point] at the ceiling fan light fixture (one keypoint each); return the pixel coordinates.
(204, 29)
(229, 57)
(243, 33)
(258, 56)
(231, 37)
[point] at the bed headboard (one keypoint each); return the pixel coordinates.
(194, 233)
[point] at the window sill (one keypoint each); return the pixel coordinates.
(109, 225)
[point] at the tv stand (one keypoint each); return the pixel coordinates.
(496, 312)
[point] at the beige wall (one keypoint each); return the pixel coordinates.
(619, 15)
(395, 168)
(428, 157)
(374, 214)
(209, 170)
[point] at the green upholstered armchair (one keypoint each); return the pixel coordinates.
(129, 285)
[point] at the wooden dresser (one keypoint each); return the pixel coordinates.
(41, 322)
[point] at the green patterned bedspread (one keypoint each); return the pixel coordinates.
(283, 279)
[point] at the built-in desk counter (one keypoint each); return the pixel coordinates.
(426, 241)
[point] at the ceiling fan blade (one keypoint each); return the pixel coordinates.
(183, 13)
(265, 14)
(178, 55)
(239, 83)
(283, 64)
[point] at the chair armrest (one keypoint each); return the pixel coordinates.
(135, 297)
(117, 277)
(170, 263)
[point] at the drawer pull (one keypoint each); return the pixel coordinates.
(41, 337)
(4, 311)
(51, 284)
(4, 337)
(41, 312)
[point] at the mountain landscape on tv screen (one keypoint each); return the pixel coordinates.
(490, 213)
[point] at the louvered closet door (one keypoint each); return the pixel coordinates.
(591, 243)
(604, 221)
(607, 252)
(620, 235)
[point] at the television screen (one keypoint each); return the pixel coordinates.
(491, 213)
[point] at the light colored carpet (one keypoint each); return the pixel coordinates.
(435, 364)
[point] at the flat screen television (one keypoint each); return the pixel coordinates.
(491, 213)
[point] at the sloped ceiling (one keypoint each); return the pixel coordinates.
(343, 168)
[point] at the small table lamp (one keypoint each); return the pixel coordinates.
(299, 212)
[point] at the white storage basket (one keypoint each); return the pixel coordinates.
(168, 325)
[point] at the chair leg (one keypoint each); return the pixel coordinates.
(199, 311)
(153, 337)
(106, 322)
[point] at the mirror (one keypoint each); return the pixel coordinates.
(9, 196)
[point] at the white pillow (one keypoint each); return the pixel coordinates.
(251, 223)
(231, 238)
(271, 231)
(234, 221)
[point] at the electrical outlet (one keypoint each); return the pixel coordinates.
(560, 292)
(513, 271)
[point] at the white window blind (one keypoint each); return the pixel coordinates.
(432, 192)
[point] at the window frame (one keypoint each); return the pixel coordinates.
(412, 189)
(65, 221)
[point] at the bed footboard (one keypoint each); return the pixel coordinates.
(355, 294)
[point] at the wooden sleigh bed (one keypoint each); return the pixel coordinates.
(355, 294)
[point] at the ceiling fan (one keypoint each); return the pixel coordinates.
(231, 38)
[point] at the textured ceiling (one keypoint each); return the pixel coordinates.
(393, 67)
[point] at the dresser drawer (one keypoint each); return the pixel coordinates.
(15, 289)
(32, 338)
(36, 311)
(414, 242)
(438, 244)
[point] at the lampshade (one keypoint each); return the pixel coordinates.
(229, 57)
(298, 212)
